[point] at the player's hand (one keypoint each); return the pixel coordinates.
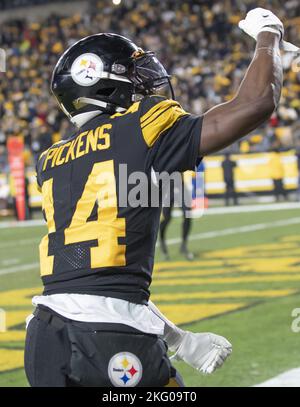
(260, 19)
(203, 351)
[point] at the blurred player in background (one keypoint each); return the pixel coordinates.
(228, 166)
(94, 325)
(28, 208)
(298, 166)
(188, 196)
(277, 175)
(180, 194)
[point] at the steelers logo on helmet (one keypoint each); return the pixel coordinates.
(125, 370)
(87, 69)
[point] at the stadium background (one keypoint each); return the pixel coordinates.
(246, 272)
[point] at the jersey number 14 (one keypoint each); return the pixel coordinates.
(101, 188)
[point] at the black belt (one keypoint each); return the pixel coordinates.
(48, 316)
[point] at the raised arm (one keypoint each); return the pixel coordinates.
(257, 96)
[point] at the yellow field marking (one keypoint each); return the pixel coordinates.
(182, 264)
(12, 336)
(225, 280)
(293, 238)
(261, 265)
(194, 273)
(186, 313)
(279, 252)
(11, 359)
(254, 251)
(269, 265)
(222, 294)
(20, 297)
(14, 318)
(254, 258)
(2, 320)
(248, 255)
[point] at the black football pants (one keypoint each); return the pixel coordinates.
(64, 353)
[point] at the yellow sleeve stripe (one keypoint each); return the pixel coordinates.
(162, 121)
(156, 110)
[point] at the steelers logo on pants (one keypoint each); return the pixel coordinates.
(125, 370)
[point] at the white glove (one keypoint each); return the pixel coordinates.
(203, 351)
(260, 19)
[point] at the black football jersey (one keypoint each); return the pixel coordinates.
(96, 245)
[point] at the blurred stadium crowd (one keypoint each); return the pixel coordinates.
(198, 41)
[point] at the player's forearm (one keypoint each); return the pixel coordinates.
(255, 101)
(262, 83)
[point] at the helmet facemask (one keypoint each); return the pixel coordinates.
(147, 74)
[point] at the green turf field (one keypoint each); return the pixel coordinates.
(243, 284)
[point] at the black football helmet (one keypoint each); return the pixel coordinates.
(105, 72)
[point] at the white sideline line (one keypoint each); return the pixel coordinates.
(253, 208)
(240, 229)
(206, 235)
(9, 262)
(24, 224)
(197, 213)
(290, 378)
(21, 242)
(210, 211)
(16, 269)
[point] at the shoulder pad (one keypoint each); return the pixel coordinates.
(158, 114)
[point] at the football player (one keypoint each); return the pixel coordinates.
(94, 324)
(185, 199)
